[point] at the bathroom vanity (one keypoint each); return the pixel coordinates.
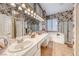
(57, 37)
(29, 46)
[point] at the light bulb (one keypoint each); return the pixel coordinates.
(32, 11)
(25, 11)
(34, 14)
(23, 5)
(19, 8)
(28, 13)
(13, 4)
(28, 9)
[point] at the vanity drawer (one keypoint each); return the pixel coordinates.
(31, 52)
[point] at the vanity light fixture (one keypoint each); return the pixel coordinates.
(25, 11)
(28, 13)
(39, 18)
(32, 11)
(23, 5)
(19, 8)
(13, 4)
(34, 14)
(28, 10)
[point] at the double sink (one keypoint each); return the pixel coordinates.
(17, 47)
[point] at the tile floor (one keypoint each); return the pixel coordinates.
(56, 49)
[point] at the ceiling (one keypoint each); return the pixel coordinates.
(52, 8)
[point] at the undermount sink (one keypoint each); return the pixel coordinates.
(17, 47)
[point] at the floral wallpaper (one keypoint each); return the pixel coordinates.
(67, 15)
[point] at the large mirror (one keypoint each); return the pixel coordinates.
(13, 28)
(26, 26)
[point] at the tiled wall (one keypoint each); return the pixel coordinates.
(67, 15)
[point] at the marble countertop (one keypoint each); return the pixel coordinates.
(35, 41)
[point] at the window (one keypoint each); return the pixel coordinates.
(52, 25)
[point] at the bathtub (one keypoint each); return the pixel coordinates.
(57, 37)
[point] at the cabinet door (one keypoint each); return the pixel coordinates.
(6, 25)
(38, 53)
(31, 52)
(19, 28)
